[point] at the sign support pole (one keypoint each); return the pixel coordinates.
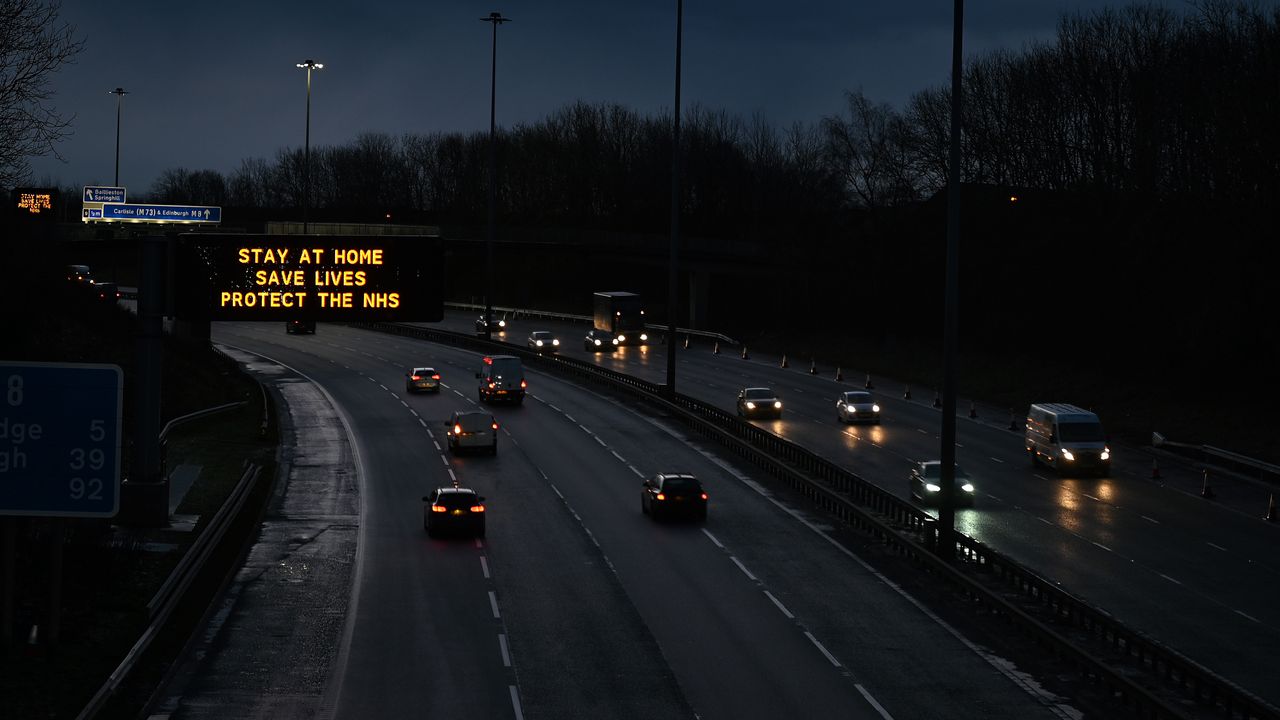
(149, 498)
(57, 528)
(8, 550)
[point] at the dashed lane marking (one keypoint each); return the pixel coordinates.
(569, 417)
(879, 708)
(1104, 547)
(403, 402)
(1155, 521)
(998, 460)
(444, 460)
(602, 443)
(484, 567)
(502, 646)
(712, 538)
(1218, 547)
(620, 458)
(452, 476)
(1175, 581)
(515, 702)
(824, 651)
(1247, 615)
(493, 604)
(781, 607)
(744, 569)
(637, 472)
(423, 423)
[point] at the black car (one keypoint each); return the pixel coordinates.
(673, 494)
(925, 482)
(543, 341)
(759, 402)
(79, 274)
(453, 509)
(422, 378)
(599, 341)
(107, 292)
(294, 327)
(494, 324)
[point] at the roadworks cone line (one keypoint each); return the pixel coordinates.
(906, 392)
(784, 360)
(745, 356)
(813, 367)
(839, 375)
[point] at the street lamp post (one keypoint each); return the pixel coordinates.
(308, 65)
(673, 295)
(496, 19)
(119, 93)
(947, 501)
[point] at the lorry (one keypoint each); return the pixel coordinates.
(621, 313)
(1067, 438)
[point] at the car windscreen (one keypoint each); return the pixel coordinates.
(857, 397)
(1080, 432)
(758, 394)
(455, 500)
(681, 486)
(933, 471)
(541, 335)
(472, 422)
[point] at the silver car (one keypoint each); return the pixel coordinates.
(857, 406)
(543, 341)
(473, 430)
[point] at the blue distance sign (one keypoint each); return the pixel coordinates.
(91, 213)
(60, 439)
(122, 212)
(103, 194)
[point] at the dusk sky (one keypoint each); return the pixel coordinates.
(212, 84)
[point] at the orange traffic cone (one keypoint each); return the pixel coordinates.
(1206, 492)
(869, 385)
(839, 375)
(744, 353)
(973, 409)
(715, 349)
(1271, 509)
(813, 367)
(784, 360)
(906, 392)
(1155, 469)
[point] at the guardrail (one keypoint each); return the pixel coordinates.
(171, 592)
(910, 531)
(526, 312)
(1235, 460)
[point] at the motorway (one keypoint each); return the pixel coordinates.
(577, 605)
(1199, 576)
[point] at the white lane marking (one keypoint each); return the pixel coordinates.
(423, 423)
(620, 458)
(515, 702)
(1247, 615)
(557, 490)
(602, 443)
(1104, 547)
(1046, 522)
(569, 417)
(998, 460)
(1218, 547)
(455, 392)
(879, 708)
(584, 429)
(553, 407)
(1172, 580)
(993, 497)
(413, 412)
(959, 445)
(401, 402)
(781, 607)
(473, 402)
(393, 394)
(922, 432)
(444, 460)
(372, 380)
(535, 397)
(452, 476)
(502, 645)
(637, 472)
(479, 543)
(743, 568)
(436, 444)
(484, 567)
(493, 604)
(818, 645)
(712, 537)
(1153, 520)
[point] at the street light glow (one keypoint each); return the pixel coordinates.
(311, 65)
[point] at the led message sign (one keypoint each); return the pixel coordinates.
(312, 277)
(29, 202)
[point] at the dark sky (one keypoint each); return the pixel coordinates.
(213, 83)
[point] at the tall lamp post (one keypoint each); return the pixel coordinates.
(496, 19)
(947, 501)
(307, 65)
(119, 93)
(673, 295)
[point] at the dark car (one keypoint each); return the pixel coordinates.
(673, 494)
(543, 341)
(759, 402)
(494, 324)
(857, 405)
(105, 291)
(475, 430)
(925, 482)
(294, 327)
(599, 341)
(79, 274)
(421, 378)
(453, 509)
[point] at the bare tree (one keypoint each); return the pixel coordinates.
(34, 44)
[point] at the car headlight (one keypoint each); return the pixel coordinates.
(1067, 454)
(555, 342)
(777, 404)
(622, 338)
(930, 487)
(539, 342)
(875, 408)
(751, 405)
(967, 487)
(597, 342)
(644, 337)
(502, 323)
(1106, 453)
(615, 341)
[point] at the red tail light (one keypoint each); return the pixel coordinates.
(414, 377)
(661, 496)
(436, 376)
(490, 386)
(457, 429)
(495, 426)
(438, 508)
(704, 496)
(524, 384)
(477, 508)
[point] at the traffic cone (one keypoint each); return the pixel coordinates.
(973, 410)
(813, 367)
(784, 360)
(744, 353)
(686, 342)
(869, 385)
(1206, 492)
(906, 392)
(1155, 469)
(937, 399)
(839, 375)
(1013, 422)
(715, 349)
(1271, 509)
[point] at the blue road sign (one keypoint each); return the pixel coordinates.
(121, 212)
(60, 439)
(101, 194)
(91, 214)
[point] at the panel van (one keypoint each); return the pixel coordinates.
(1067, 438)
(502, 378)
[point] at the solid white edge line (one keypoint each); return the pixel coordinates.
(1172, 580)
(515, 702)
(506, 654)
(493, 605)
(824, 651)
(712, 538)
(743, 568)
(781, 607)
(867, 696)
(484, 566)
(1247, 615)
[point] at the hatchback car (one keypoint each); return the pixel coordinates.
(857, 406)
(543, 341)
(473, 430)
(494, 324)
(453, 509)
(599, 341)
(422, 378)
(759, 402)
(925, 482)
(672, 494)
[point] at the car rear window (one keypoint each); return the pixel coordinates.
(456, 500)
(472, 422)
(682, 486)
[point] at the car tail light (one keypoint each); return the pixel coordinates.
(704, 496)
(415, 377)
(524, 384)
(660, 496)
(495, 426)
(490, 386)
(477, 508)
(438, 508)
(457, 429)
(436, 376)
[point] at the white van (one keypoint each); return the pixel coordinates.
(502, 378)
(1067, 438)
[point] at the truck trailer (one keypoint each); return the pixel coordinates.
(621, 313)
